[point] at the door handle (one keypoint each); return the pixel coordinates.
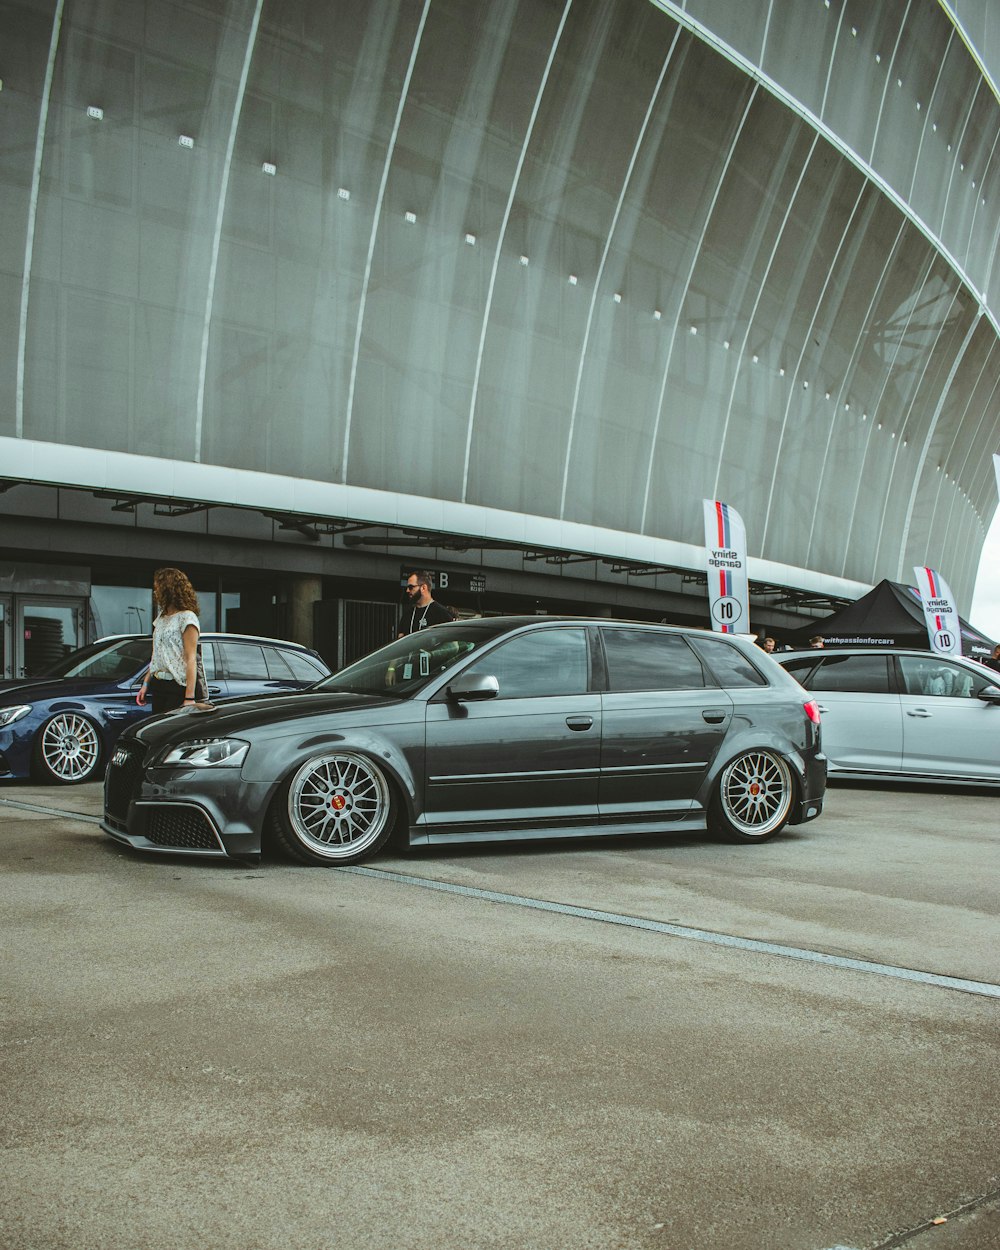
(918, 712)
(714, 715)
(579, 722)
(822, 710)
(215, 690)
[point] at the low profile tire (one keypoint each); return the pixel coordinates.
(753, 797)
(337, 808)
(67, 750)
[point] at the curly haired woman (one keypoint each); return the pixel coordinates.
(172, 676)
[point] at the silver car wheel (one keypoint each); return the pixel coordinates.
(339, 807)
(69, 748)
(755, 794)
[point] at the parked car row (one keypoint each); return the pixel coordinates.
(61, 727)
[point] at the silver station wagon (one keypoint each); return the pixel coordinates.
(499, 728)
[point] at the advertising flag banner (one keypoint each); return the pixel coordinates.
(726, 550)
(940, 614)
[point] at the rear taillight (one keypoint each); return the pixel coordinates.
(812, 711)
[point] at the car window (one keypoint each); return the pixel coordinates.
(118, 662)
(867, 674)
(244, 661)
(303, 668)
(277, 668)
(208, 659)
(640, 659)
(730, 667)
(800, 668)
(546, 662)
(935, 678)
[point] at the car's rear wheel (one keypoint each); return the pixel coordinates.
(337, 808)
(753, 797)
(67, 749)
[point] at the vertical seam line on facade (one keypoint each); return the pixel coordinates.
(975, 208)
(603, 262)
(890, 70)
(898, 440)
(376, 219)
(220, 213)
(960, 356)
(753, 312)
(958, 152)
(848, 374)
(798, 364)
(696, 256)
(499, 247)
(674, 11)
(29, 241)
(875, 410)
(928, 113)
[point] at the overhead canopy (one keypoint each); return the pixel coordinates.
(890, 615)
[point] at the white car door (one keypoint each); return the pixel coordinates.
(862, 723)
(948, 730)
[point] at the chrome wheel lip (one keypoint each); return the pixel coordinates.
(338, 805)
(70, 747)
(756, 793)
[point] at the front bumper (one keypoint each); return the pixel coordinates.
(202, 811)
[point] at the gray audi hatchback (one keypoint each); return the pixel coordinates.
(488, 729)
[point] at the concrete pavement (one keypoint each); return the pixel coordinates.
(206, 1054)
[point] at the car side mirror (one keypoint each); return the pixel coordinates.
(475, 688)
(990, 694)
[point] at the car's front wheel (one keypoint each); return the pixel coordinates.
(753, 797)
(67, 749)
(337, 808)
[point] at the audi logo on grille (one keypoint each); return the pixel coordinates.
(120, 757)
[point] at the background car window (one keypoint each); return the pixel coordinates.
(640, 659)
(936, 679)
(800, 668)
(208, 659)
(115, 663)
(547, 662)
(867, 674)
(730, 667)
(244, 661)
(302, 667)
(277, 668)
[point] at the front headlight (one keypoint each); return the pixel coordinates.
(8, 715)
(206, 753)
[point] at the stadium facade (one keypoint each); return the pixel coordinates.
(299, 293)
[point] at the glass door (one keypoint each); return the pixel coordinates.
(6, 656)
(47, 629)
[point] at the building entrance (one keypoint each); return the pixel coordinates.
(45, 628)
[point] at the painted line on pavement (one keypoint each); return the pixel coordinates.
(51, 811)
(984, 988)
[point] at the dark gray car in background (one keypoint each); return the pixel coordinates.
(496, 728)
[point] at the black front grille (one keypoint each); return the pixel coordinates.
(182, 827)
(121, 784)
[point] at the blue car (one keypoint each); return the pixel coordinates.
(61, 727)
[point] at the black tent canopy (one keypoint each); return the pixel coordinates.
(890, 615)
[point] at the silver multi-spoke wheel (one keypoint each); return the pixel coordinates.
(755, 795)
(339, 809)
(69, 748)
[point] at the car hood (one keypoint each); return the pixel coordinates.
(237, 716)
(23, 690)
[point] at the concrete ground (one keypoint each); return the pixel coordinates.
(214, 1055)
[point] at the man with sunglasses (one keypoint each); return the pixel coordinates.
(422, 610)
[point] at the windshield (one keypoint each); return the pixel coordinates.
(115, 661)
(409, 663)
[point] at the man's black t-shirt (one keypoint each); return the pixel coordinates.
(422, 618)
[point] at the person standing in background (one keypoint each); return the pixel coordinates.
(424, 610)
(171, 679)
